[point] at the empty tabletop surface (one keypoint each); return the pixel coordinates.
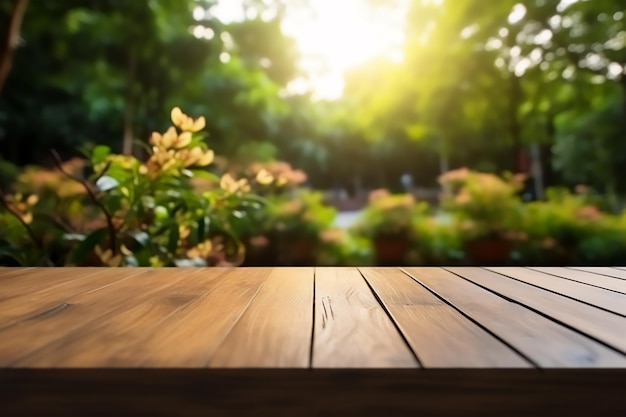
(313, 317)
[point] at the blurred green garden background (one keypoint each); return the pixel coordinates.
(312, 132)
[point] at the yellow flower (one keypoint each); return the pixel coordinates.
(264, 177)
(228, 183)
(201, 250)
(206, 158)
(186, 123)
(168, 138)
(191, 125)
(22, 206)
(183, 231)
(107, 258)
(182, 140)
(178, 117)
(164, 141)
(32, 200)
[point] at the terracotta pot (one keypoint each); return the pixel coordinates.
(297, 251)
(391, 251)
(488, 251)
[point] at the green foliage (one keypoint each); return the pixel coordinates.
(485, 203)
(303, 215)
(389, 215)
(439, 241)
(591, 149)
(147, 213)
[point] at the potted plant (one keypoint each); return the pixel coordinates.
(439, 241)
(557, 227)
(297, 222)
(487, 210)
(387, 221)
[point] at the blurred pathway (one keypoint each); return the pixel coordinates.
(346, 219)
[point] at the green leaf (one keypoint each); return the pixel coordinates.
(106, 183)
(205, 175)
(87, 245)
(141, 238)
(100, 153)
(15, 255)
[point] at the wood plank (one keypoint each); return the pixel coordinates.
(599, 297)
(544, 342)
(7, 271)
(439, 335)
(26, 282)
(115, 339)
(613, 284)
(609, 272)
(604, 326)
(352, 330)
(275, 330)
(28, 336)
(190, 337)
(22, 304)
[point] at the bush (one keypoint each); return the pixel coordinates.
(138, 213)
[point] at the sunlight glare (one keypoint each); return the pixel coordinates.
(342, 36)
(517, 14)
(337, 36)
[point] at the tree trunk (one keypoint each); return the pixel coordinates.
(537, 170)
(623, 82)
(11, 39)
(129, 112)
(444, 165)
(515, 128)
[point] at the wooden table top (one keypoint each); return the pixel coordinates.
(414, 317)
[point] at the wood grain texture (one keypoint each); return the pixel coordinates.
(190, 337)
(115, 339)
(275, 330)
(604, 326)
(352, 330)
(438, 334)
(28, 336)
(599, 297)
(541, 340)
(613, 284)
(28, 281)
(609, 272)
(289, 318)
(7, 271)
(43, 290)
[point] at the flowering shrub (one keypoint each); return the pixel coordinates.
(484, 203)
(570, 228)
(338, 247)
(148, 213)
(303, 215)
(389, 215)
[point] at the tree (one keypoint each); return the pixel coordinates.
(11, 38)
